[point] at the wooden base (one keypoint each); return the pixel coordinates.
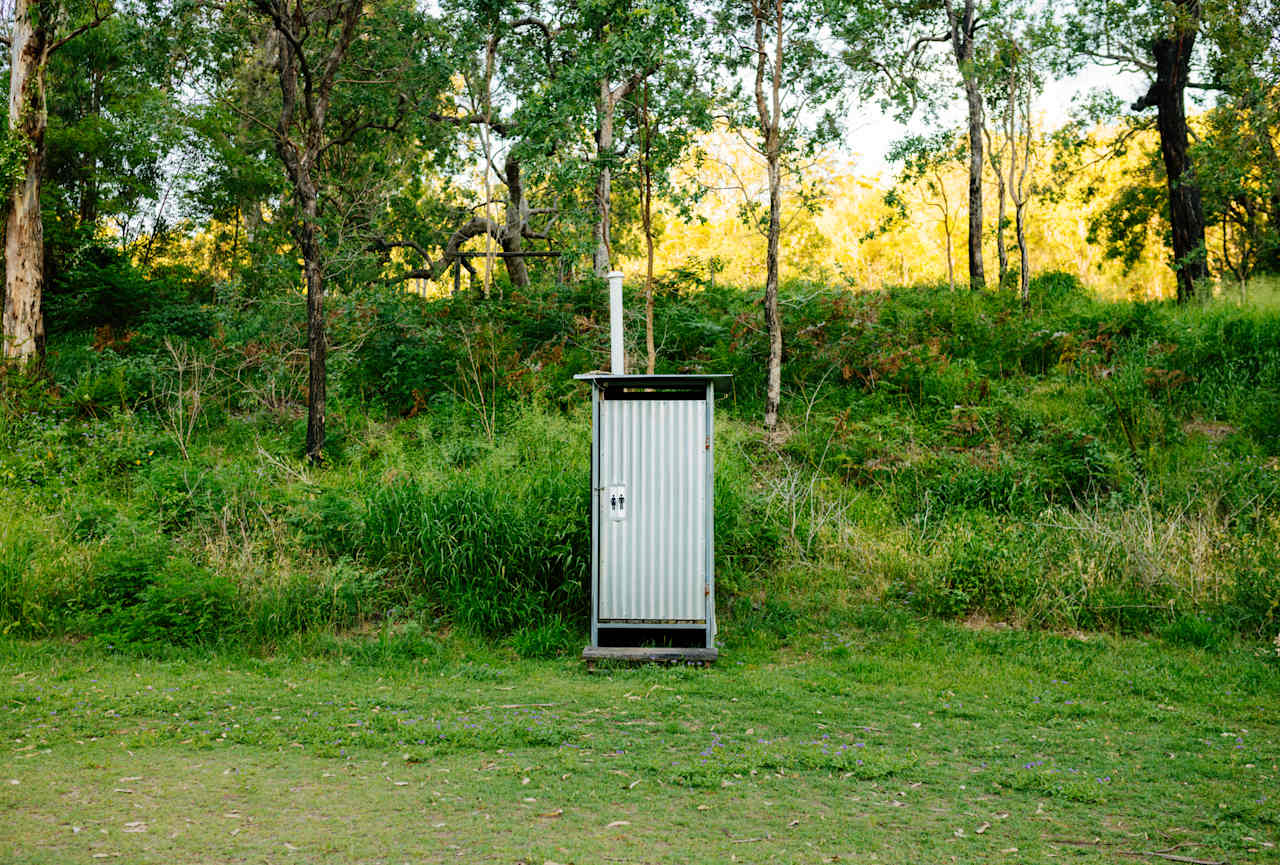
(628, 655)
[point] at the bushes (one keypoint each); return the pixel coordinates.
(1253, 604)
(991, 567)
(186, 605)
(124, 568)
(1081, 465)
(341, 596)
(103, 288)
(494, 553)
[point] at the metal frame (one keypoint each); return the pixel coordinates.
(599, 381)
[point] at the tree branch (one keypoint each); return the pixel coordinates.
(920, 41)
(498, 126)
(100, 14)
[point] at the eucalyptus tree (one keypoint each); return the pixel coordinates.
(615, 49)
(1021, 52)
(1020, 87)
(39, 29)
(670, 110)
(784, 49)
(239, 182)
(1157, 39)
(908, 51)
(1237, 158)
(353, 78)
(927, 161)
(113, 118)
(648, 73)
(509, 58)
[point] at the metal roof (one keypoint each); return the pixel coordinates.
(720, 380)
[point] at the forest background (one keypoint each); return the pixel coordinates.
(294, 292)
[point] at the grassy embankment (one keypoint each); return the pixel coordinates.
(1087, 466)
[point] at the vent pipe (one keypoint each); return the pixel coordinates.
(617, 357)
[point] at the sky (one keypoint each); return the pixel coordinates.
(875, 132)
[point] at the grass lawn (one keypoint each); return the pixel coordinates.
(904, 742)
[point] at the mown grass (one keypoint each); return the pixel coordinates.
(900, 741)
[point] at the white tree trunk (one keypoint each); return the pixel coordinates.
(24, 233)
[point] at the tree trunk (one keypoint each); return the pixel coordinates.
(1024, 273)
(996, 158)
(769, 112)
(963, 25)
(517, 217)
(300, 163)
(88, 209)
(604, 187)
(951, 268)
(977, 278)
(1186, 212)
(316, 345)
(945, 209)
(251, 214)
(24, 231)
(772, 322)
(1020, 103)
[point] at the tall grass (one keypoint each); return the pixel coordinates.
(500, 545)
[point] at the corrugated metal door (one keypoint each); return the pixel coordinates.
(651, 510)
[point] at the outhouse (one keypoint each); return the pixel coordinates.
(652, 514)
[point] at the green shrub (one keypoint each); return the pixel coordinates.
(499, 545)
(94, 520)
(1197, 630)
(747, 541)
(178, 321)
(186, 605)
(767, 621)
(1262, 419)
(1254, 600)
(1056, 290)
(990, 568)
(183, 493)
(102, 286)
(125, 566)
(105, 381)
(331, 522)
(492, 555)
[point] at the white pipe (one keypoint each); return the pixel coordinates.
(617, 356)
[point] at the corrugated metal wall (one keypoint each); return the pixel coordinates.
(653, 561)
